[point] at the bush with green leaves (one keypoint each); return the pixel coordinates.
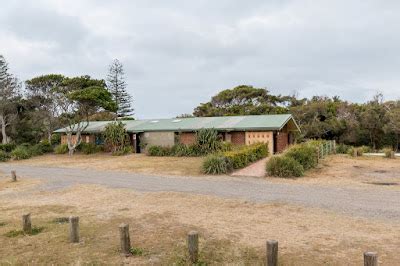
(208, 140)
(35, 150)
(225, 162)
(21, 153)
(7, 147)
(305, 154)
(116, 136)
(88, 148)
(284, 166)
(61, 149)
(342, 148)
(55, 139)
(216, 164)
(246, 155)
(156, 150)
(4, 156)
(45, 146)
(125, 150)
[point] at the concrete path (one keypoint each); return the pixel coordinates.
(256, 169)
(373, 203)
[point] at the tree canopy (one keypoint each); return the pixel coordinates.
(243, 100)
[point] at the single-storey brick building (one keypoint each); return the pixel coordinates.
(276, 130)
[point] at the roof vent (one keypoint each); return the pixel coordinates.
(176, 121)
(154, 121)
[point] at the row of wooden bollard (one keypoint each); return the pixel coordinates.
(370, 258)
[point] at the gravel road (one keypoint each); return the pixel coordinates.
(371, 203)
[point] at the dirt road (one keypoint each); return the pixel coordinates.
(369, 203)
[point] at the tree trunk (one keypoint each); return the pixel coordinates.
(3, 130)
(49, 136)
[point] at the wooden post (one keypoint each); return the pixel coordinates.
(272, 253)
(370, 259)
(334, 146)
(13, 176)
(26, 223)
(392, 155)
(125, 239)
(193, 246)
(74, 229)
(355, 152)
(318, 154)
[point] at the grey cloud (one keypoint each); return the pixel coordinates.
(179, 53)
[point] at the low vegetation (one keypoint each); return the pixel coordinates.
(224, 162)
(16, 233)
(23, 151)
(61, 149)
(283, 166)
(298, 159)
(207, 141)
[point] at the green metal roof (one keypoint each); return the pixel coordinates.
(223, 123)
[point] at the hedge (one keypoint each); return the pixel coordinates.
(246, 155)
(295, 160)
(225, 162)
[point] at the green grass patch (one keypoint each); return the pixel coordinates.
(15, 233)
(136, 251)
(60, 220)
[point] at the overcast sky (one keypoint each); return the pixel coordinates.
(178, 54)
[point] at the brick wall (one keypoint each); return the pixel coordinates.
(187, 138)
(238, 138)
(85, 138)
(282, 141)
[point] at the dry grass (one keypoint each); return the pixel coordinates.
(346, 171)
(138, 163)
(232, 231)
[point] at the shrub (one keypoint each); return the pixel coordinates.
(365, 149)
(88, 148)
(246, 155)
(55, 139)
(342, 148)
(284, 166)
(61, 149)
(208, 141)
(4, 156)
(45, 146)
(125, 150)
(35, 150)
(353, 151)
(180, 150)
(388, 153)
(115, 136)
(7, 147)
(159, 151)
(215, 164)
(304, 154)
(21, 153)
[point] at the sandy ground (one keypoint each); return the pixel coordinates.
(346, 171)
(232, 231)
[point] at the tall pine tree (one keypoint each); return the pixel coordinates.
(117, 86)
